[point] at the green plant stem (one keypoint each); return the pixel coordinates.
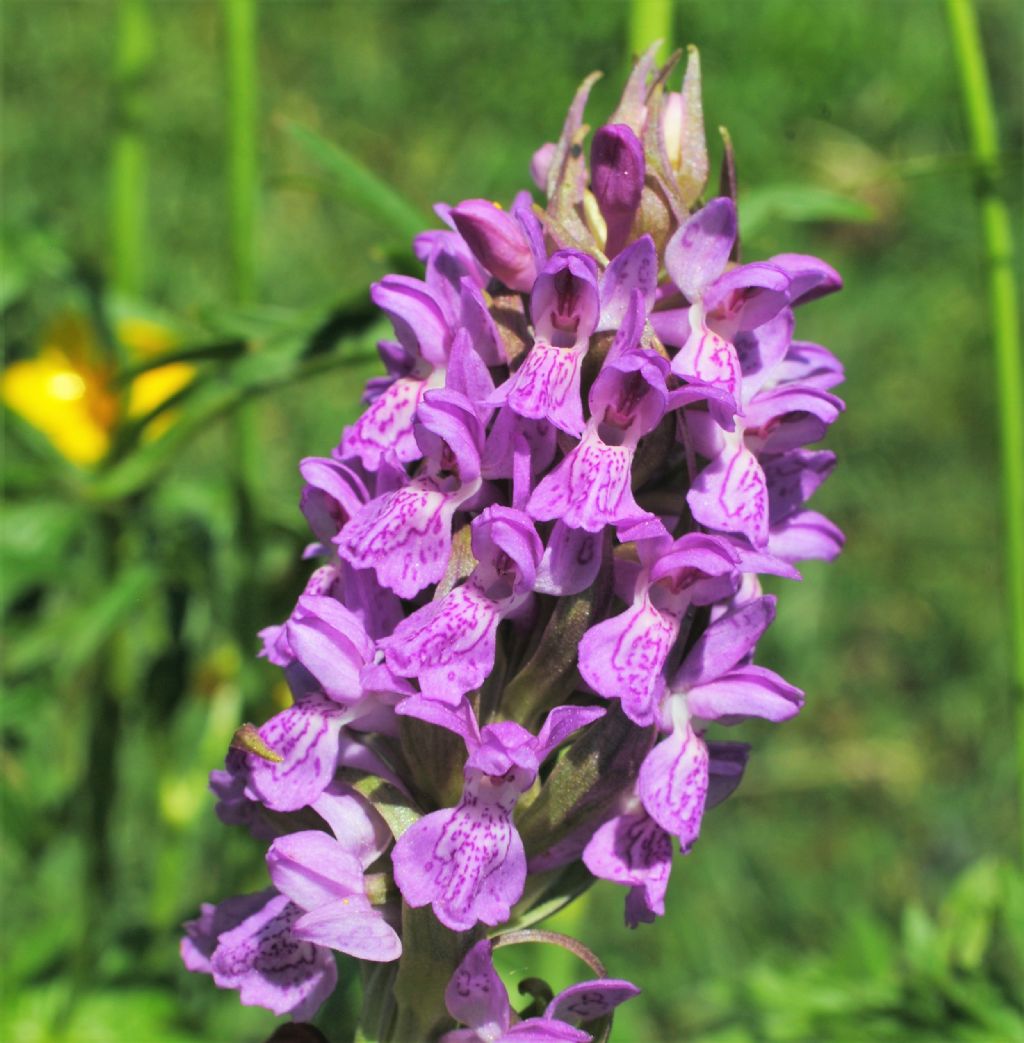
(243, 161)
(997, 233)
(129, 162)
(243, 190)
(650, 20)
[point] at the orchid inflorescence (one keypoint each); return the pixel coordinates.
(541, 544)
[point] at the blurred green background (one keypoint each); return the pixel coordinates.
(859, 885)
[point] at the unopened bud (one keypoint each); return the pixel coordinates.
(497, 242)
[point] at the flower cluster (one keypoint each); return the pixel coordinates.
(540, 548)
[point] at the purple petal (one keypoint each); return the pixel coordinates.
(565, 302)
(385, 426)
(449, 644)
(404, 536)
(358, 828)
(727, 764)
(761, 351)
(201, 934)
(547, 387)
(634, 850)
(543, 1030)
(793, 479)
(810, 277)
(561, 722)
(724, 643)
(270, 967)
(805, 536)
(330, 642)
(477, 322)
(622, 658)
(788, 418)
(748, 691)
(590, 999)
(590, 488)
(461, 720)
(731, 494)
(635, 268)
(416, 315)
(699, 251)
(571, 562)
(350, 925)
(673, 784)
(313, 869)
(467, 373)
(476, 996)
(306, 736)
(744, 298)
(708, 358)
(810, 365)
(467, 862)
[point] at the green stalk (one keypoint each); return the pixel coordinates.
(243, 163)
(997, 233)
(243, 449)
(650, 20)
(129, 163)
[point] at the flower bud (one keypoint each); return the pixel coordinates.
(617, 179)
(497, 242)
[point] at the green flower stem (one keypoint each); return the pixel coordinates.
(129, 162)
(243, 191)
(243, 161)
(997, 232)
(650, 20)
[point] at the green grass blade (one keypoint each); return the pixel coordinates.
(360, 186)
(997, 233)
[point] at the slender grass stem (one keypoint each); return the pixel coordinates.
(997, 233)
(243, 161)
(130, 162)
(650, 20)
(243, 192)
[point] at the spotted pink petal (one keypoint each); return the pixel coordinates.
(306, 735)
(590, 488)
(449, 644)
(386, 426)
(673, 784)
(622, 658)
(466, 862)
(731, 495)
(270, 966)
(404, 536)
(547, 387)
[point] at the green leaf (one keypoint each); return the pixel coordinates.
(33, 538)
(360, 186)
(760, 207)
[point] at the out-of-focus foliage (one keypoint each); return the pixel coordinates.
(858, 886)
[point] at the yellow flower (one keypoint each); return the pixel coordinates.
(67, 393)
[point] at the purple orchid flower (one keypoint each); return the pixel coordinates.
(405, 536)
(731, 493)
(324, 878)
(591, 487)
(247, 943)
(623, 657)
(449, 645)
(477, 997)
(564, 307)
(714, 683)
(723, 304)
(468, 862)
(416, 364)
